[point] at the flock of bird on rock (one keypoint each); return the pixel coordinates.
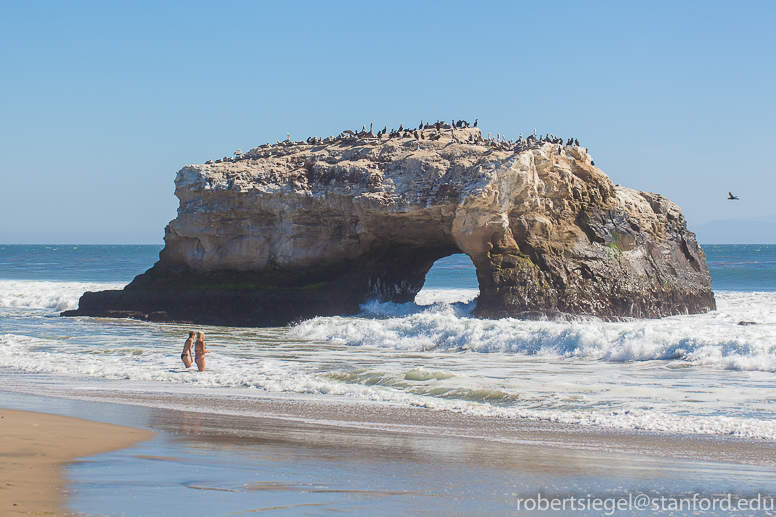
(425, 131)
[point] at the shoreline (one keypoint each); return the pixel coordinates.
(36, 447)
(375, 459)
(375, 417)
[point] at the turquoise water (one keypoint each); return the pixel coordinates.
(76, 263)
(737, 267)
(742, 267)
(733, 267)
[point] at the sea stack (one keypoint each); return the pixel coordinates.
(297, 230)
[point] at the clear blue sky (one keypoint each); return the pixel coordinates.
(102, 102)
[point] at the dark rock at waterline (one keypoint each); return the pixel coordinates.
(281, 235)
(208, 307)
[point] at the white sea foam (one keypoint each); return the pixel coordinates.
(714, 339)
(435, 354)
(448, 296)
(137, 364)
(59, 296)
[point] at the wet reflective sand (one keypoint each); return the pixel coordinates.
(307, 457)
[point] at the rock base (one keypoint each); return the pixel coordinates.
(216, 307)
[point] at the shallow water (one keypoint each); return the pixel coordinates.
(695, 374)
(698, 375)
(207, 464)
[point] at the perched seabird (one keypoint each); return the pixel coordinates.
(421, 125)
(350, 132)
(475, 122)
(576, 142)
(238, 152)
(731, 196)
(209, 162)
(401, 127)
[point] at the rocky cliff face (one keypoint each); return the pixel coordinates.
(299, 229)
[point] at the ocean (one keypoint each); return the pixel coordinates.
(710, 374)
(403, 408)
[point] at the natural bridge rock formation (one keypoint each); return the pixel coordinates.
(296, 230)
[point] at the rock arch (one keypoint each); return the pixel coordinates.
(269, 239)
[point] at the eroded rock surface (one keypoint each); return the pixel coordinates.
(296, 230)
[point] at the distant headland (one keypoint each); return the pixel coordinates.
(299, 229)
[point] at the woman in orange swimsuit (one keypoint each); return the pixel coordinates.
(186, 355)
(200, 351)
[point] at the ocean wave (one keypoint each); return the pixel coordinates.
(58, 296)
(713, 339)
(39, 355)
(446, 296)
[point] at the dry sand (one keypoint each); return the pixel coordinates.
(35, 446)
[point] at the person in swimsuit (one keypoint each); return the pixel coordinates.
(200, 351)
(186, 355)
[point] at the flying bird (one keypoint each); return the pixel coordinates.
(731, 196)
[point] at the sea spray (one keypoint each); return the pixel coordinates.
(713, 339)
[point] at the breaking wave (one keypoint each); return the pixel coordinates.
(56, 296)
(740, 335)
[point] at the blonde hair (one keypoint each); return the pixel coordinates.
(200, 336)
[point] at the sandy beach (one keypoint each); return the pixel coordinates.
(36, 446)
(317, 456)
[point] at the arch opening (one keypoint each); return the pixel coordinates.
(451, 279)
